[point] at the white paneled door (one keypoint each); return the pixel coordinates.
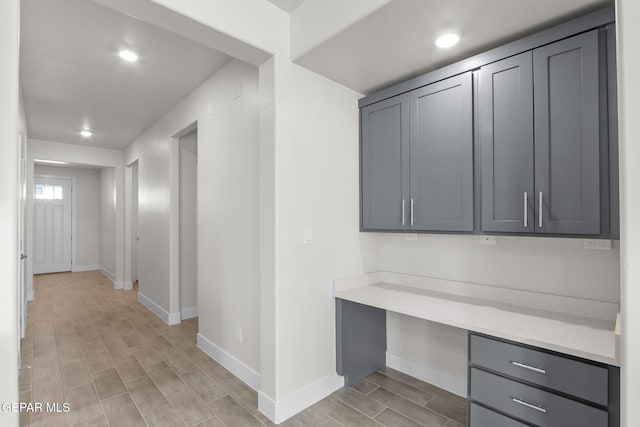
(52, 225)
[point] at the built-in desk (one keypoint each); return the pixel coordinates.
(581, 329)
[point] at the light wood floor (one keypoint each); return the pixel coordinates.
(117, 364)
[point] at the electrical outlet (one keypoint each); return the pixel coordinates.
(412, 237)
(239, 334)
(600, 244)
(489, 240)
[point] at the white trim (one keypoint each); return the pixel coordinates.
(127, 286)
(229, 362)
(281, 410)
(31, 296)
(79, 268)
(444, 380)
(117, 284)
(189, 313)
(109, 275)
(168, 318)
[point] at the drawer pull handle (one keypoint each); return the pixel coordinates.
(530, 368)
(529, 405)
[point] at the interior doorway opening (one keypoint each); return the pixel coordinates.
(188, 228)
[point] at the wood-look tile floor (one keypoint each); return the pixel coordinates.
(117, 364)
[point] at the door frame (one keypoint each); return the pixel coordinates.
(174, 219)
(73, 211)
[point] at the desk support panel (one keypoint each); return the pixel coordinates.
(361, 340)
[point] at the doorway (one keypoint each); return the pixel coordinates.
(134, 224)
(188, 225)
(52, 225)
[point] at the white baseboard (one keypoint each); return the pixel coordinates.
(127, 286)
(117, 284)
(229, 362)
(109, 275)
(281, 410)
(79, 268)
(189, 313)
(444, 380)
(168, 318)
(31, 296)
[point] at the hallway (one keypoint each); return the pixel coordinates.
(117, 364)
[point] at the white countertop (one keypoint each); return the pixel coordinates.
(590, 338)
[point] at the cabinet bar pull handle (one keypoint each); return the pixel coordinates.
(526, 219)
(403, 215)
(529, 405)
(540, 211)
(530, 368)
(413, 202)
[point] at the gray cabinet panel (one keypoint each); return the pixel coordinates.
(506, 133)
(483, 417)
(442, 156)
(567, 162)
(569, 376)
(531, 404)
(385, 150)
(361, 340)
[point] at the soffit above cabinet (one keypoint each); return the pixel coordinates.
(396, 41)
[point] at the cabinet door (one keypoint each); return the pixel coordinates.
(384, 168)
(567, 160)
(506, 135)
(442, 156)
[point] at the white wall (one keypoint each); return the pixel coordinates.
(628, 14)
(226, 110)
(10, 124)
(86, 214)
(108, 221)
(314, 185)
(82, 155)
(188, 222)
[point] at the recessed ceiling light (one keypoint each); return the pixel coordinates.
(51, 162)
(447, 40)
(86, 133)
(128, 55)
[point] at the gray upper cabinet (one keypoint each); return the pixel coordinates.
(506, 138)
(441, 156)
(519, 139)
(567, 136)
(384, 163)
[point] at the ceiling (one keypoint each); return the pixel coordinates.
(397, 41)
(73, 78)
(287, 5)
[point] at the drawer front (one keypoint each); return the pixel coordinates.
(480, 416)
(575, 378)
(531, 404)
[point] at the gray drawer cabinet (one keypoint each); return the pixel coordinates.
(582, 380)
(479, 416)
(385, 163)
(417, 159)
(551, 92)
(510, 383)
(532, 404)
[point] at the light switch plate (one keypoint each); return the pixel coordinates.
(308, 236)
(489, 240)
(600, 244)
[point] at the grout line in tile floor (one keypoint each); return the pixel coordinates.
(180, 384)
